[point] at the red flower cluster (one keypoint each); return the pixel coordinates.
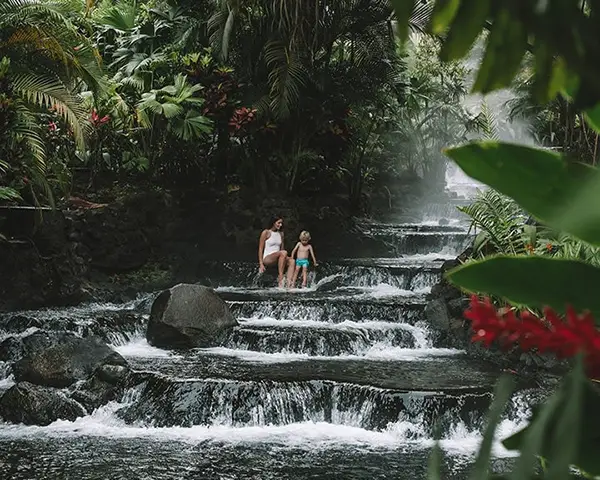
(241, 117)
(97, 121)
(564, 338)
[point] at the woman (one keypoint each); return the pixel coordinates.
(271, 252)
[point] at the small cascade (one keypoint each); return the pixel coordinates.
(313, 339)
(163, 402)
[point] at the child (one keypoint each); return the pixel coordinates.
(303, 249)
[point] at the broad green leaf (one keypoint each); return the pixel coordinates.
(575, 402)
(403, 9)
(533, 281)
(533, 438)
(465, 28)
(563, 454)
(502, 393)
(506, 46)
(561, 194)
(593, 117)
(443, 13)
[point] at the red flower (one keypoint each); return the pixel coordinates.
(529, 248)
(564, 338)
(549, 247)
(241, 117)
(52, 126)
(97, 121)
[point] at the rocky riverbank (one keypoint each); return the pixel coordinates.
(445, 314)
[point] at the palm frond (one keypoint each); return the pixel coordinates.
(9, 194)
(501, 220)
(49, 92)
(287, 76)
(27, 130)
(487, 123)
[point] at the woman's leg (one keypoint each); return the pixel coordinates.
(278, 258)
(290, 271)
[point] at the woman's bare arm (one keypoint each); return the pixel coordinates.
(261, 249)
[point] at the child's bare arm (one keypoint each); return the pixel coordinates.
(295, 250)
(312, 254)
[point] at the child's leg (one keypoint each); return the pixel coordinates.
(296, 272)
(304, 271)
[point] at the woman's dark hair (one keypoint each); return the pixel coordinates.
(273, 219)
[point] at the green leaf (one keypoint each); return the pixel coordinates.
(572, 411)
(559, 193)
(506, 47)
(467, 24)
(443, 13)
(593, 118)
(435, 458)
(502, 393)
(403, 9)
(563, 454)
(533, 281)
(8, 193)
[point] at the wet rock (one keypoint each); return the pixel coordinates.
(36, 405)
(15, 348)
(457, 307)
(18, 323)
(106, 384)
(65, 362)
(188, 316)
(40, 265)
(437, 316)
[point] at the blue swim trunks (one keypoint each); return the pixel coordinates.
(302, 262)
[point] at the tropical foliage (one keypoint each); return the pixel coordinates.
(267, 95)
(558, 193)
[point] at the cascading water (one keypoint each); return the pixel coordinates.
(342, 379)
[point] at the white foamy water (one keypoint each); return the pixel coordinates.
(378, 351)
(307, 435)
(139, 347)
(301, 323)
(25, 333)
(7, 382)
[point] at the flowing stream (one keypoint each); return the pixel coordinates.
(340, 380)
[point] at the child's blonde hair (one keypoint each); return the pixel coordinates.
(304, 235)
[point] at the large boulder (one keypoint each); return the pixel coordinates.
(62, 364)
(35, 405)
(14, 348)
(188, 316)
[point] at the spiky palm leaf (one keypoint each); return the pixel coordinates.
(487, 122)
(49, 92)
(287, 76)
(48, 59)
(502, 223)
